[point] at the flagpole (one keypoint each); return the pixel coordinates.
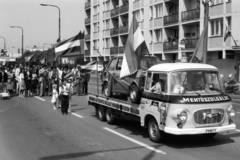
(206, 18)
(234, 40)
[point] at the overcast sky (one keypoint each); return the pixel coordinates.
(40, 23)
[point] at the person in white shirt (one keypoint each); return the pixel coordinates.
(65, 91)
(54, 96)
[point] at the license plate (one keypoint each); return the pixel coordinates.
(210, 130)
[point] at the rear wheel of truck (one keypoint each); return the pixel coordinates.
(105, 90)
(96, 111)
(134, 94)
(101, 113)
(154, 133)
(110, 116)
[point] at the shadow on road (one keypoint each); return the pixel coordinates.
(196, 141)
(84, 154)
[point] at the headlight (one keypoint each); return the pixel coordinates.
(182, 116)
(231, 111)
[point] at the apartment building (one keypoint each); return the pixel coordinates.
(170, 28)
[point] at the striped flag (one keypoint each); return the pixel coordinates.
(29, 58)
(92, 66)
(133, 52)
(71, 45)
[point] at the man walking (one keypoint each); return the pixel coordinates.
(86, 78)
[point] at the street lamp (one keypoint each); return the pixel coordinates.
(22, 35)
(4, 42)
(59, 39)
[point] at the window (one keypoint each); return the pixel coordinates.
(113, 64)
(158, 9)
(119, 65)
(96, 27)
(107, 24)
(214, 2)
(95, 10)
(107, 42)
(154, 78)
(142, 14)
(95, 44)
(229, 22)
(107, 6)
(216, 27)
(151, 12)
(195, 82)
(158, 35)
(151, 36)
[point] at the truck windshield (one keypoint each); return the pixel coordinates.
(195, 82)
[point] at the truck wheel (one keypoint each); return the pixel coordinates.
(105, 90)
(154, 133)
(209, 136)
(134, 93)
(96, 111)
(110, 116)
(101, 113)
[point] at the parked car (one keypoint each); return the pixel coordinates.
(136, 86)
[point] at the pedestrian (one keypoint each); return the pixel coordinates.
(86, 78)
(64, 98)
(28, 78)
(50, 81)
(70, 86)
(78, 82)
(10, 83)
(3, 80)
(43, 75)
(54, 96)
(22, 84)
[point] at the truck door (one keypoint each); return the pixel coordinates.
(156, 93)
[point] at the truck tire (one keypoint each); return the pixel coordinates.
(96, 111)
(110, 116)
(101, 113)
(105, 90)
(154, 133)
(134, 94)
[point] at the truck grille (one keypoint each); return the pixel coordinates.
(208, 116)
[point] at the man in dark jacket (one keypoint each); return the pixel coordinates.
(3, 79)
(86, 77)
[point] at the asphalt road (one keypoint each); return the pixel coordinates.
(30, 129)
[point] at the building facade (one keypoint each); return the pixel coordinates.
(166, 25)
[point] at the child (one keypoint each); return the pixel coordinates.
(64, 98)
(54, 96)
(60, 95)
(70, 86)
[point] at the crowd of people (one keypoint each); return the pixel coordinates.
(60, 82)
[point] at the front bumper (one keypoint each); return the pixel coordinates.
(205, 130)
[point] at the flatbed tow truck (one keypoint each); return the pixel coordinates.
(178, 99)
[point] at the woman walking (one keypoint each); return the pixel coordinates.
(22, 85)
(10, 84)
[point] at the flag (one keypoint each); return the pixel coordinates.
(29, 58)
(199, 50)
(71, 45)
(42, 61)
(133, 52)
(227, 33)
(92, 66)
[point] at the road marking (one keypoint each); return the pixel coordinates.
(135, 141)
(39, 98)
(237, 130)
(75, 114)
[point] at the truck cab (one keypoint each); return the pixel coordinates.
(185, 99)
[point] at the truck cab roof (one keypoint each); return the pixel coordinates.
(168, 67)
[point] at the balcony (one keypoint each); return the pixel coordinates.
(95, 2)
(113, 50)
(136, 4)
(115, 12)
(124, 9)
(87, 4)
(121, 49)
(123, 29)
(87, 53)
(171, 19)
(114, 31)
(95, 18)
(190, 43)
(170, 46)
(87, 37)
(191, 14)
(87, 21)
